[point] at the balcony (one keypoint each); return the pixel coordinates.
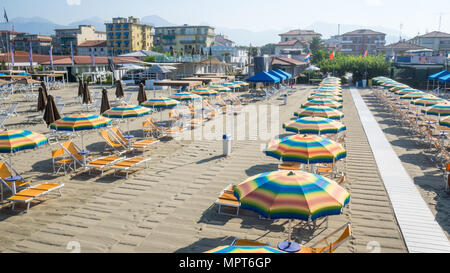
(346, 50)
(346, 42)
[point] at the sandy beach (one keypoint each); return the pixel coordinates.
(169, 207)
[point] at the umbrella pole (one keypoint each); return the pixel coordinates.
(13, 183)
(290, 231)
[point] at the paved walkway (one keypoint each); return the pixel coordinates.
(418, 226)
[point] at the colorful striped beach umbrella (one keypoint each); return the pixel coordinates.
(292, 195)
(441, 110)
(307, 149)
(445, 122)
(427, 101)
(314, 125)
(161, 103)
(76, 123)
(326, 96)
(414, 95)
(319, 111)
(127, 112)
(405, 91)
(186, 97)
(221, 89)
(205, 93)
(245, 250)
(13, 141)
(323, 102)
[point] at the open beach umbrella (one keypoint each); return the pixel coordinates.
(86, 94)
(427, 101)
(292, 195)
(440, 110)
(220, 89)
(445, 122)
(126, 112)
(13, 141)
(415, 95)
(314, 125)
(186, 97)
(245, 249)
(77, 123)
(161, 103)
(405, 91)
(319, 111)
(42, 100)
(306, 149)
(51, 113)
(326, 96)
(205, 93)
(323, 102)
(119, 90)
(105, 102)
(142, 97)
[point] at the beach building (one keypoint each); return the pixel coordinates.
(185, 38)
(401, 48)
(300, 35)
(125, 35)
(290, 65)
(436, 40)
(358, 41)
(223, 40)
(75, 36)
(6, 37)
(40, 44)
(99, 48)
(291, 46)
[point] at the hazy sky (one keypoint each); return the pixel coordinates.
(416, 16)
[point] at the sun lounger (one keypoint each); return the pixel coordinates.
(112, 144)
(128, 164)
(144, 144)
(102, 163)
(330, 247)
(74, 152)
(291, 166)
(18, 185)
(227, 199)
(61, 161)
(28, 195)
(241, 242)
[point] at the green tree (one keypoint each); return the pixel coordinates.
(150, 59)
(268, 49)
(158, 49)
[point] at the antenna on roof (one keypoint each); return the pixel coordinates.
(401, 29)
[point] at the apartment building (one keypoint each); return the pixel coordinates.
(300, 35)
(40, 44)
(438, 41)
(125, 35)
(6, 37)
(358, 41)
(75, 36)
(185, 38)
(99, 48)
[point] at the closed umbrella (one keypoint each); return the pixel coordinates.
(44, 89)
(51, 113)
(119, 90)
(105, 102)
(86, 94)
(42, 100)
(80, 88)
(142, 97)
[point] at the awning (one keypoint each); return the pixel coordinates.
(438, 75)
(264, 77)
(278, 75)
(289, 76)
(445, 78)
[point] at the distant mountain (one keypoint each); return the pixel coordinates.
(156, 21)
(98, 22)
(35, 25)
(245, 37)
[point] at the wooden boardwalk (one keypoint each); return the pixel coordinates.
(419, 228)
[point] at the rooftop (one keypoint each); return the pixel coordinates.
(286, 61)
(363, 32)
(290, 43)
(402, 45)
(301, 32)
(435, 34)
(93, 43)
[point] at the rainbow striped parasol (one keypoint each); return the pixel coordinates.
(245, 249)
(406, 91)
(414, 95)
(13, 141)
(221, 89)
(292, 195)
(307, 149)
(319, 111)
(441, 110)
(231, 85)
(326, 96)
(314, 125)
(241, 83)
(185, 97)
(427, 101)
(127, 111)
(75, 123)
(161, 103)
(205, 93)
(445, 122)
(323, 102)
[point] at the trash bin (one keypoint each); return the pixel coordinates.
(364, 83)
(227, 145)
(285, 98)
(370, 83)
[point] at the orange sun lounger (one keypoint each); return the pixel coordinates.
(128, 164)
(28, 195)
(144, 144)
(227, 199)
(103, 163)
